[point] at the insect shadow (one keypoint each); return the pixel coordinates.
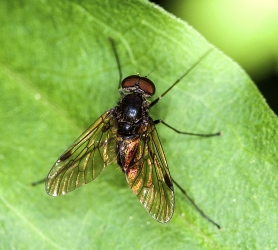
(127, 135)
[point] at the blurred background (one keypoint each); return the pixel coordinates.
(245, 30)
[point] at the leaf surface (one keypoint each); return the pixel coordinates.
(58, 74)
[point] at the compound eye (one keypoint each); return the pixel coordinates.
(144, 84)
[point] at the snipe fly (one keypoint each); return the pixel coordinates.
(125, 134)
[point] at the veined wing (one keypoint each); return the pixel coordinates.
(85, 159)
(149, 176)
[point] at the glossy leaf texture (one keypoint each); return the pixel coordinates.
(58, 75)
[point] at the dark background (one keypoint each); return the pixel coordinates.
(264, 73)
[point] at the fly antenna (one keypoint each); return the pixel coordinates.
(117, 60)
(149, 73)
(177, 81)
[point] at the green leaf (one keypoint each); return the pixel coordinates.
(58, 74)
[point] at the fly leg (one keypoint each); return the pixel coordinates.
(186, 133)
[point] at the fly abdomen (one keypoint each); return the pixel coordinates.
(126, 150)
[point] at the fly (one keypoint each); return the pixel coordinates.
(127, 135)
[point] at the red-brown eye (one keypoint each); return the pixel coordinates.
(143, 82)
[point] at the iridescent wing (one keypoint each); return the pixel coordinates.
(149, 177)
(85, 159)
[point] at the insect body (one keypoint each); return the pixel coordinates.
(125, 134)
(139, 152)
